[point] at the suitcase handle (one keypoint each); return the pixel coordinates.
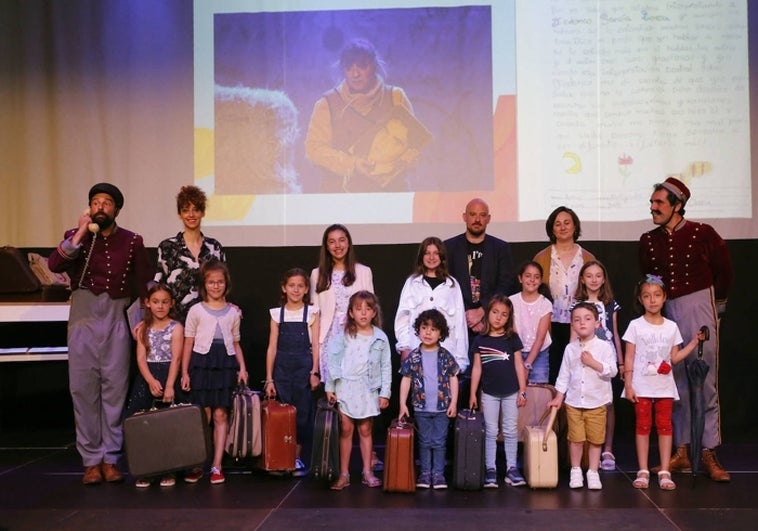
(551, 413)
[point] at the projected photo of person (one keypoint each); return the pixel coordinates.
(313, 102)
(362, 133)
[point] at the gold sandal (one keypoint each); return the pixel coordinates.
(342, 482)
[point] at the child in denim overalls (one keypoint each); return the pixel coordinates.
(292, 357)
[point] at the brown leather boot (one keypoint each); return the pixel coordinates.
(712, 466)
(680, 461)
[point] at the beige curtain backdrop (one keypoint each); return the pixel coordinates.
(89, 92)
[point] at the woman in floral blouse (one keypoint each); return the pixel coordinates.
(180, 257)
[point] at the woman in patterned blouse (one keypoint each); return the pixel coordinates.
(180, 257)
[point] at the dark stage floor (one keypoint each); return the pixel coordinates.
(40, 488)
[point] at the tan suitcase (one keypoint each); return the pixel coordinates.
(541, 452)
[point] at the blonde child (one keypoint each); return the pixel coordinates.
(292, 360)
(595, 287)
(584, 380)
(359, 377)
(159, 354)
(532, 313)
(212, 361)
(431, 372)
(652, 347)
(498, 365)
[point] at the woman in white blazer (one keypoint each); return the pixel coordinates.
(335, 279)
(430, 286)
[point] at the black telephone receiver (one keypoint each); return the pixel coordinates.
(94, 228)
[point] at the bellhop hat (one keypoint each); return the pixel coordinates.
(678, 188)
(109, 189)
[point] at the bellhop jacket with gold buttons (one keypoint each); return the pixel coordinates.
(690, 258)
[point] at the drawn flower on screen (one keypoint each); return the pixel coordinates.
(625, 163)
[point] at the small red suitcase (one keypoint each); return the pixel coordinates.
(399, 464)
(279, 440)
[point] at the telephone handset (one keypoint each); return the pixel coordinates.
(92, 227)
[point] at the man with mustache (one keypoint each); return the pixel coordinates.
(107, 267)
(695, 265)
(482, 265)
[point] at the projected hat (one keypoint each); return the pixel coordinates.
(678, 188)
(109, 189)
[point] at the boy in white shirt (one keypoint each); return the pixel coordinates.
(585, 381)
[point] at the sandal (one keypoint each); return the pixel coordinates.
(608, 461)
(342, 482)
(642, 481)
(370, 480)
(168, 481)
(664, 480)
(142, 483)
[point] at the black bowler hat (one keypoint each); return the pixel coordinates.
(111, 190)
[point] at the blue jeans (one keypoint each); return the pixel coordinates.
(540, 372)
(491, 406)
(432, 438)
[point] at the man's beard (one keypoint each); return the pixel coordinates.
(103, 220)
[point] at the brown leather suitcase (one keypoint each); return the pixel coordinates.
(399, 464)
(279, 441)
(166, 440)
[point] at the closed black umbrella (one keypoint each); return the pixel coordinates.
(697, 370)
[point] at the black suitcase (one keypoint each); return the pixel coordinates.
(160, 441)
(325, 458)
(468, 463)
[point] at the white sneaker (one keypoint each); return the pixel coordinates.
(576, 480)
(593, 480)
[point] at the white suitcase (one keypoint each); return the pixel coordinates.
(541, 453)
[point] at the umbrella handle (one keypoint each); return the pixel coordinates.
(707, 334)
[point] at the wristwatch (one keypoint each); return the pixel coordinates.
(528, 366)
(523, 395)
(316, 373)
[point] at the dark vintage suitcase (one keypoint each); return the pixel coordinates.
(279, 440)
(325, 458)
(166, 440)
(243, 438)
(468, 462)
(399, 464)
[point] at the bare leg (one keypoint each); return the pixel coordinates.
(220, 419)
(664, 447)
(576, 449)
(346, 442)
(610, 426)
(594, 456)
(366, 443)
(642, 442)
